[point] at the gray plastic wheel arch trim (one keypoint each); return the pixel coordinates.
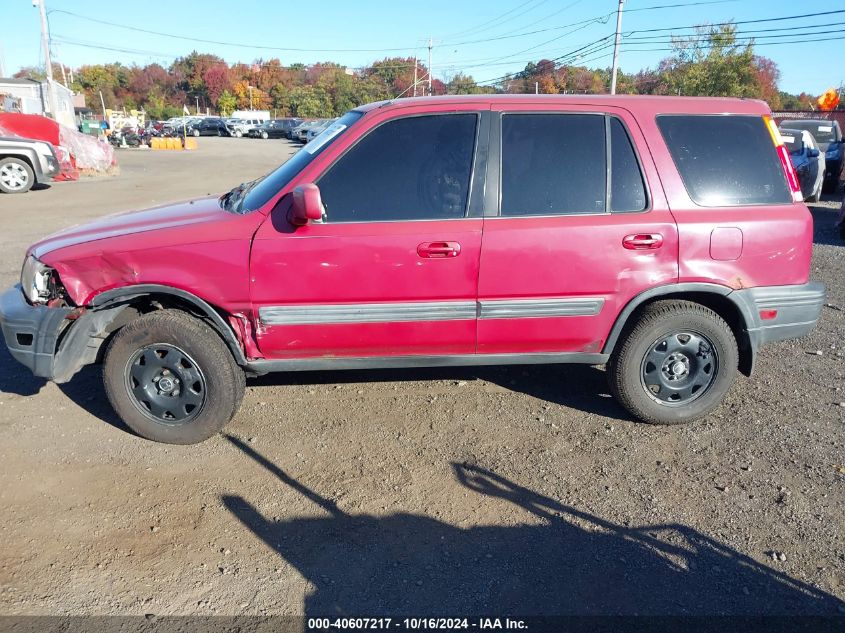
(800, 303)
(660, 291)
(126, 293)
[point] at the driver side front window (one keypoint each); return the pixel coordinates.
(414, 168)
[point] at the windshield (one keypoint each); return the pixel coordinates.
(822, 131)
(792, 140)
(250, 196)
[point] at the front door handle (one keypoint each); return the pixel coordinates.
(438, 250)
(642, 241)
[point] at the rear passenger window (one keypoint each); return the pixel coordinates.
(627, 190)
(725, 160)
(416, 168)
(553, 164)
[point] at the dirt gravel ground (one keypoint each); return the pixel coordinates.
(506, 490)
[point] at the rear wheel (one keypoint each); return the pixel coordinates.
(675, 364)
(171, 378)
(16, 176)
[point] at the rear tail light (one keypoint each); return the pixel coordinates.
(785, 163)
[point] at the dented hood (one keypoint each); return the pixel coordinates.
(192, 212)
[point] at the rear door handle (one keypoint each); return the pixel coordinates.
(438, 250)
(642, 241)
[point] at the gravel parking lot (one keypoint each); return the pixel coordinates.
(504, 490)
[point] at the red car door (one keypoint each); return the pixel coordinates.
(393, 268)
(583, 226)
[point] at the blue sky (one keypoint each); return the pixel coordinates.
(485, 38)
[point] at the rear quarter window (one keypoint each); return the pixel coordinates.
(725, 160)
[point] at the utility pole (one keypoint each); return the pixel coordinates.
(45, 43)
(415, 75)
(616, 47)
(536, 87)
(429, 65)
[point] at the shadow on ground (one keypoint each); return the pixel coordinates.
(581, 387)
(570, 562)
(84, 390)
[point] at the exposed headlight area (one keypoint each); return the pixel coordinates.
(44, 149)
(38, 281)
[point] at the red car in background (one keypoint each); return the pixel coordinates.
(663, 236)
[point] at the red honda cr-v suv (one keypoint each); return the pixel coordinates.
(663, 236)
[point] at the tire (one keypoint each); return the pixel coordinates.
(665, 394)
(16, 176)
(238, 134)
(196, 132)
(816, 195)
(172, 345)
(264, 135)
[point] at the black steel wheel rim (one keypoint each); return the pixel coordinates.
(679, 368)
(165, 384)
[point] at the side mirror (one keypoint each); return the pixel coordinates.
(812, 153)
(307, 205)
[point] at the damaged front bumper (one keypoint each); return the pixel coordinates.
(53, 343)
(32, 332)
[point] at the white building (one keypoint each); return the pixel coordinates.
(30, 96)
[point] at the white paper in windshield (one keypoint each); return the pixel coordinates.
(787, 139)
(324, 137)
(825, 128)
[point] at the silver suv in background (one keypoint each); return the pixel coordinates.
(24, 162)
(240, 127)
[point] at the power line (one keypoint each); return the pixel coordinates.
(474, 28)
(667, 49)
(501, 20)
(536, 21)
(600, 18)
(756, 21)
(760, 20)
(235, 44)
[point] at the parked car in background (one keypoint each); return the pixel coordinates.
(25, 162)
(241, 127)
(293, 134)
(179, 126)
(828, 137)
(302, 130)
(209, 126)
(274, 128)
(671, 236)
(807, 160)
(315, 131)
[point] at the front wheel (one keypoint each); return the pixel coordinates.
(171, 378)
(16, 176)
(675, 364)
(196, 132)
(265, 135)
